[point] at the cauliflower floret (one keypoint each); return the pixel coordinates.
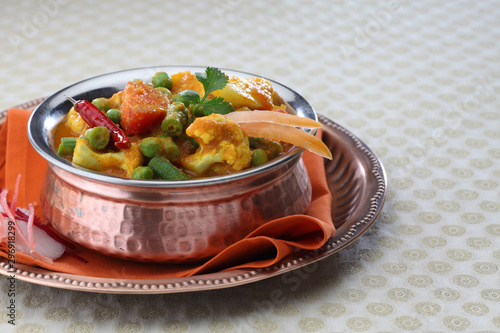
(126, 159)
(223, 146)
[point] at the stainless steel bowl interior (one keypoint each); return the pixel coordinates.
(50, 112)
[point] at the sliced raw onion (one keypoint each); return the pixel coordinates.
(295, 136)
(272, 117)
(46, 248)
(39, 244)
(20, 215)
(13, 204)
(31, 219)
(11, 215)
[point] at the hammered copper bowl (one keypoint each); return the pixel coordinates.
(162, 221)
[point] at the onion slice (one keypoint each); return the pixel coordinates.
(272, 117)
(295, 136)
(31, 236)
(39, 243)
(20, 215)
(10, 214)
(13, 204)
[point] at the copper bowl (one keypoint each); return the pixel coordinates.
(162, 221)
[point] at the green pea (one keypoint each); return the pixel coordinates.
(259, 157)
(271, 147)
(162, 79)
(98, 137)
(160, 146)
(102, 104)
(115, 115)
(150, 147)
(166, 91)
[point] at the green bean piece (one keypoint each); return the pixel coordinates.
(160, 146)
(143, 172)
(272, 148)
(175, 120)
(115, 115)
(67, 146)
(170, 150)
(259, 157)
(172, 125)
(165, 170)
(166, 91)
(98, 137)
(102, 104)
(162, 79)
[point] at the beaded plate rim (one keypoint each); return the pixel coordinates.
(344, 236)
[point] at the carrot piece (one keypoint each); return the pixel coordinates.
(288, 134)
(272, 117)
(143, 107)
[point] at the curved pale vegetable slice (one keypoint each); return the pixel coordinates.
(39, 243)
(272, 117)
(288, 134)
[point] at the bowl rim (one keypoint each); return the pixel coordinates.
(40, 123)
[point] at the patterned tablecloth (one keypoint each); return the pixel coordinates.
(418, 81)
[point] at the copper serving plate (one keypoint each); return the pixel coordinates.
(355, 177)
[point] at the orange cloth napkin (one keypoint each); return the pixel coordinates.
(264, 247)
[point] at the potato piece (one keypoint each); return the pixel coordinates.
(115, 101)
(75, 122)
(253, 93)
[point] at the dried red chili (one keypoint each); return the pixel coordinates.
(94, 117)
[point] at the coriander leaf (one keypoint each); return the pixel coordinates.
(213, 79)
(216, 105)
(187, 97)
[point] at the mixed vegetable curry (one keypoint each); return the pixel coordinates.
(182, 126)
